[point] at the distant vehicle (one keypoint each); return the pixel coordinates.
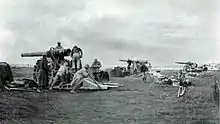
(119, 71)
(193, 67)
(213, 66)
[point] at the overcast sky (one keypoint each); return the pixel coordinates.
(162, 31)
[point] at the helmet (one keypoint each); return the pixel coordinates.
(58, 42)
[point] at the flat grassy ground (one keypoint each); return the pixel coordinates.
(136, 103)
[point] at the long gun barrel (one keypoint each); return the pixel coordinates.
(123, 60)
(34, 54)
(50, 53)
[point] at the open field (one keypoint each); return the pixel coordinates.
(136, 103)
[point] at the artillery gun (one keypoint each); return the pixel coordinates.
(58, 55)
(134, 66)
(193, 67)
(52, 53)
(55, 56)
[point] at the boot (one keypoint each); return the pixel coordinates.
(39, 89)
(73, 92)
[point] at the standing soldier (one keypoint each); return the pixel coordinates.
(129, 65)
(139, 64)
(78, 78)
(76, 56)
(134, 67)
(59, 46)
(43, 72)
(144, 70)
(34, 73)
(182, 85)
(36, 70)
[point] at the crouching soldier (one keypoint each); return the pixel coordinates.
(96, 65)
(78, 78)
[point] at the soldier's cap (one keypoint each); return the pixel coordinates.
(58, 42)
(44, 54)
(86, 66)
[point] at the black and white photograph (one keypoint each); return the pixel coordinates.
(109, 61)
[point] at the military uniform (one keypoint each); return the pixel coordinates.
(60, 75)
(129, 65)
(144, 70)
(96, 65)
(58, 47)
(76, 56)
(34, 73)
(78, 78)
(43, 73)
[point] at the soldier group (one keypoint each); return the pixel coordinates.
(73, 72)
(138, 66)
(42, 67)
